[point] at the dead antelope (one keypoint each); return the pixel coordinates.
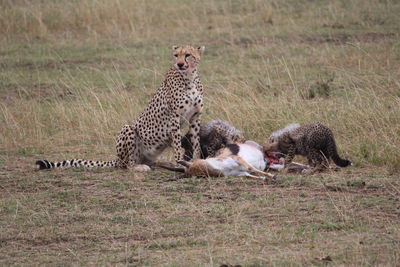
(233, 160)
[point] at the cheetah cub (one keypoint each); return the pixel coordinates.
(178, 100)
(213, 136)
(314, 141)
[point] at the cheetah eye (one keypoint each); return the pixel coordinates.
(187, 55)
(176, 55)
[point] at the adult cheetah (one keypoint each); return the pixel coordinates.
(179, 100)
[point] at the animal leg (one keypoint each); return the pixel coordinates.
(289, 159)
(194, 129)
(318, 162)
(290, 155)
(245, 164)
(176, 138)
(254, 176)
(128, 150)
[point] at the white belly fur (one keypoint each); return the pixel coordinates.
(253, 156)
(230, 167)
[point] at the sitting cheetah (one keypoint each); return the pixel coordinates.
(178, 100)
(213, 136)
(314, 141)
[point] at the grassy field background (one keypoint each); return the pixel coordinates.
(73, 72)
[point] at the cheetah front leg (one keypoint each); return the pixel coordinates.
(194, 135)
(289, 159)
(176, 138)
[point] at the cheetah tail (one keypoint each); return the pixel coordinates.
(332, 150)
(45, 164)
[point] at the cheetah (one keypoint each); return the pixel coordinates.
(314, 141)
(213, 136)
(178, 100)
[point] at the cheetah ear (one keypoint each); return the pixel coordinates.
(174, 47)
(201, 49)
(290, 139)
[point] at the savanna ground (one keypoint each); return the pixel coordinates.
(73, 72)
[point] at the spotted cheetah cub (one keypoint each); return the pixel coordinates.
(314, 141)
(179, 100)
(213, 136)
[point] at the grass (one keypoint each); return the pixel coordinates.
(73, 72)
(116, 217)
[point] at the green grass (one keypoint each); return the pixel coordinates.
(73, 72)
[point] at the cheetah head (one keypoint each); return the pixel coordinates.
(271, 147)
(186, 57)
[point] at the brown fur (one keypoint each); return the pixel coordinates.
(200, 168)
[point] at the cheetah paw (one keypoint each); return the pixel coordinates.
(307, 171)
(285, 170)
(141, 168)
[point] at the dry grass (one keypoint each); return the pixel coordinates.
(116, 217)
(73, 72)
(273, 63)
